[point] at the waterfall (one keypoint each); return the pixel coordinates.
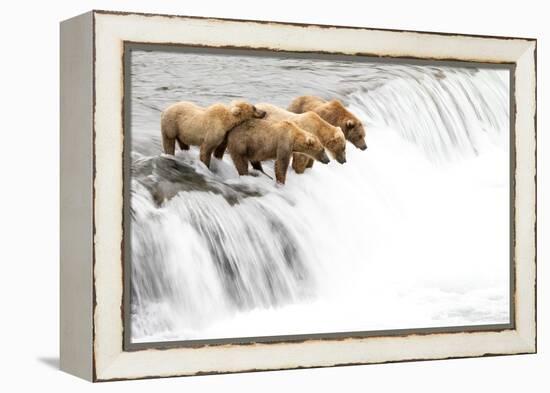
(217, 255)
(447, 113)
(212, 247)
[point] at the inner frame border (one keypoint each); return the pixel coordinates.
(129, 46)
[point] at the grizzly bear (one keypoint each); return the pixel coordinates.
(336, 114)
(260, 140)
(191, 124)
(331, 137)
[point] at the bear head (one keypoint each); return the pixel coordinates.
(351, 126)
(355, 132)
(242, 111)
(336, 145)
(308, 144)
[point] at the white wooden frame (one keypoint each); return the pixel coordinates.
(92, 87)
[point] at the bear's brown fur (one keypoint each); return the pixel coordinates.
(336, 114)
(260, 140)
(331, 137)
(191, 124)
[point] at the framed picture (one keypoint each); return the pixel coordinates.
(246, 195)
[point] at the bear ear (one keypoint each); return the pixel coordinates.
(310, 141)
(350, 123)
(235, 110)
(335, 140)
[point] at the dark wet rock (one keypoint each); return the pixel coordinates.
(165, 177)
(439, 75)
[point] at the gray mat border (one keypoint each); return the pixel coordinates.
(129, 46)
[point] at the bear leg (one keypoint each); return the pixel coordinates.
(310, 162)
(241, 163)
(206, 154)
(169, 144)
(209, 144)
(257, 165)
(281, 166)
(183, 146)
(299, 162)
(220, 150)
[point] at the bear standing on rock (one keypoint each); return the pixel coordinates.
(191, 124)
(331, 137)
(334, 113)
(260, 140)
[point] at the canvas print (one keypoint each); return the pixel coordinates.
(281, 194)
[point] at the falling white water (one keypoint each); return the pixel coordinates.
(413, 232)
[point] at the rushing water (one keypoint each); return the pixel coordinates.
(411, 233)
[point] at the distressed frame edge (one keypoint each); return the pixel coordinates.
(304, 24)
(527, 339)
(290, 368)
(525, 240)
